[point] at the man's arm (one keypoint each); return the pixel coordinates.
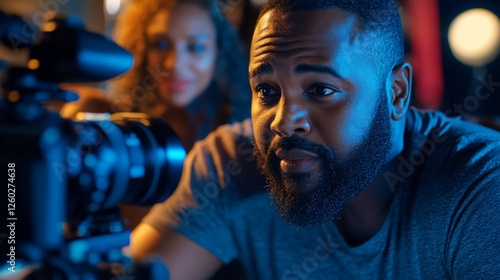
(190, 231)
(184, 258)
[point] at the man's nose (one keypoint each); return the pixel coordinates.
(290, 119)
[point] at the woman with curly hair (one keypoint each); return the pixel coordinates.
(189, 67)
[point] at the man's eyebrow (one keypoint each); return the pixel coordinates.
(301, 68)
(307, 68)
(261, 69)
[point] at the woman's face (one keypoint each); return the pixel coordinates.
(182, 42)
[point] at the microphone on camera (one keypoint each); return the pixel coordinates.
(67, 53)
(15, 32)
(62, 51)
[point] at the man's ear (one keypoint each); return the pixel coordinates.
(400, 80)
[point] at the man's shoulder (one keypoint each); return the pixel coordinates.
(228, 142)
(452, 198)
(453, 136)
(237, 129)
(425, 121)
(226, 155)
(450, 152)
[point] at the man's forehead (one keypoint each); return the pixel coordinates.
(308, 23)
(328, 39)
(317, 30)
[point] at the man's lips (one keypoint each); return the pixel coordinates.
(297, 161)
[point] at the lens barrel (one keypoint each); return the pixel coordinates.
(131, 159)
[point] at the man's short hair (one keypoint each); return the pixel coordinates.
(380, 22)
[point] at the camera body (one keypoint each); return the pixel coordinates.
(66, 178)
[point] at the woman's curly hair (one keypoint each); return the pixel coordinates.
(230, 77)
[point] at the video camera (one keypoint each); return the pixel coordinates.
(66, 178)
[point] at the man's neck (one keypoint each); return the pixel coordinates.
(365, 214)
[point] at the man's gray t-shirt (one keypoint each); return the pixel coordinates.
(444, 221)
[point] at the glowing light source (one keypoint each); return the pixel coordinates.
(14, 96)
(49, 26)
(474, 37)
(112, 6)
(33, 64)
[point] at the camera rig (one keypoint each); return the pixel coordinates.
(65, 178)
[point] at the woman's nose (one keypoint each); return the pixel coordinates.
(175, 60)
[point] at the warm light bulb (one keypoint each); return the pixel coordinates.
(474, 37)
(112, 6)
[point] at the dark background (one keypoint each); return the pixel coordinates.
(457, 76)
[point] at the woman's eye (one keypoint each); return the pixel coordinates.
(159, 45)
(321, 91)
(196, 47)
(265, 92)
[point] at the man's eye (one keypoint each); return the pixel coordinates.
(266, 92)
(321, 91)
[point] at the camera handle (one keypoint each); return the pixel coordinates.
(98, 256)
(89, 260)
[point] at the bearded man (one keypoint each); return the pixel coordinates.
(334, 177)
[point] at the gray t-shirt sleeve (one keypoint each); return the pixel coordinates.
(473, 241)
(198, 209)
(461, 201)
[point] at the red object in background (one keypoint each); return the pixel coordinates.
(424, 32)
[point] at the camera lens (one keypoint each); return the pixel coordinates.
(130, 159)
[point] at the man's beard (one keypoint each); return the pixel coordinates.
(339, 181)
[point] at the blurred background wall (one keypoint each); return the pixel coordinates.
(474, 88)
(91, 11)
